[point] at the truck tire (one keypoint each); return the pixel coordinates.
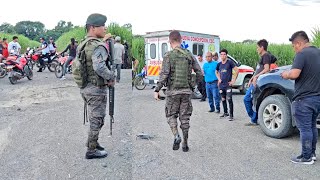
(244, 86)
(274, 116)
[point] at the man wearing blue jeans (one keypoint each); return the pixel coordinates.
(306, 99)
(209, 69)
(262, 68)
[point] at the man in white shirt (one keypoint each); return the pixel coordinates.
(118, 56)
(14, 47)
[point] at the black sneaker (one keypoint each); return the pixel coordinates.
(231, 118)
(96, 154)
(211, 110)
(302, 160)
(201, 100)
(313, 156)
(217, 111)
(224, 115)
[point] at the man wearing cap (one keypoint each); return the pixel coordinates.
(99, 76)
(118, 56)
(306, 99)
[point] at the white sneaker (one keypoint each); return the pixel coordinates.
(63, 78)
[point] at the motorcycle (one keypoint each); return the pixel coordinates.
(138, 80)
(59, 69)
(19, 70)
(4, 66)
(34, 56)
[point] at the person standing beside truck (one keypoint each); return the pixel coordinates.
(176, 72)
(202, 84)
(262, 68)
(305, 71)
(225, 81)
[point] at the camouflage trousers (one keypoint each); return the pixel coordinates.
(96, 106)
(179, 106)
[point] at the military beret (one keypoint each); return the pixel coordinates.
(96, 19)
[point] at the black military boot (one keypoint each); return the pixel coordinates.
(100, 148)
(177, 139)
(94, 153)
(185, 147)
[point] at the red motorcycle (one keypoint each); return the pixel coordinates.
(60, 67)
(4, 66)
(19, 70)
(33, 59)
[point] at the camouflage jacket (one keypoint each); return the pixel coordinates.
(166, 74)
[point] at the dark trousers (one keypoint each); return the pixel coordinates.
(305, 111)
(226, 95)
(41, 61)
(202, 89)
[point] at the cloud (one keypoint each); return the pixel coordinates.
(300, 2)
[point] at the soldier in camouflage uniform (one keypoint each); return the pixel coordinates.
(175, 73)
(98, 78)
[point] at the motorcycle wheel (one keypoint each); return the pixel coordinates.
(58, 71)
(30, 74)
(52, 65)
(13, 80)
(3, 71)
(139, 83)
(30, 64)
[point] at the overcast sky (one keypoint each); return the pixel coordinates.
(235, 20)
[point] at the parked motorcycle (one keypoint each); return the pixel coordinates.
(4, 66)
(19, 70)
(138, 80)
(59, 69)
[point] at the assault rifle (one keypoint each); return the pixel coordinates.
(110, 62)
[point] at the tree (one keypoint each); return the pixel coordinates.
(7, 28)
(128, 26)
(30, 29)
(63, 27)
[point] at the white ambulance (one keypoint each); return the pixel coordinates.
(157, 44)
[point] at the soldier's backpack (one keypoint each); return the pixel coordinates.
(182, 63)
(79, 71)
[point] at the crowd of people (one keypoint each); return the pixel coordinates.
(215, 79)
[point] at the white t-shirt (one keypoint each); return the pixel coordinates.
(201, 63)
(118, 52)
(14, 48)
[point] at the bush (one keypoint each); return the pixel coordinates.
(138, 51)
(23, 41)
(79, 34)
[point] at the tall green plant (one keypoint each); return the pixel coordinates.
(247, 52)
(138, 51)
(316, 36)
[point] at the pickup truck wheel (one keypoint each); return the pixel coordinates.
(244, 87)
(274, 116)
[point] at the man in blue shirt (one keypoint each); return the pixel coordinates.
(209, 69)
